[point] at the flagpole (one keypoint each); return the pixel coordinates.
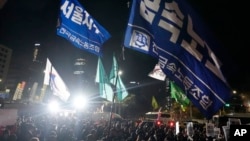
(190, 109)
(112, 105)
(119, 90)
(113, 99)
(50, 73)
(169, 102)
(45, 85)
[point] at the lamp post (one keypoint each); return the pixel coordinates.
(1, 85)
(119, 103)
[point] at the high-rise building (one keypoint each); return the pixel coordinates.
(29, 70)
(81, 76)
(79, 66)
(79, 73)
(5, 58)
(36, 51)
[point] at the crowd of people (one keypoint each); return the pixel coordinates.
(45, 127)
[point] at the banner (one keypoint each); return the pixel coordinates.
(173, 33)
(56, 83)
(105, 88)
(19, 91)
(80, 28)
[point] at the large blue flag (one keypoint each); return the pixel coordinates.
(80, 28)
(172, 32)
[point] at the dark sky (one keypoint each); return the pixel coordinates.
(25, 22)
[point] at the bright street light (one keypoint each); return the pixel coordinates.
(80, 102)
(54, 106)
(120, 72)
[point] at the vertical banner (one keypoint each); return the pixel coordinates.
(173, 33)
(19, 91)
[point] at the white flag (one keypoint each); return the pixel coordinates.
(47, 72)
(157, 73)
(56, 83)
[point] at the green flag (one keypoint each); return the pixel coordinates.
(154, 103)
(105, 88)
(113, 76)
(178, 94)
(116, 80)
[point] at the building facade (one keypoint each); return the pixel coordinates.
(5, 58)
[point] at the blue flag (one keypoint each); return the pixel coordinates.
(172, 32)
(77, 26)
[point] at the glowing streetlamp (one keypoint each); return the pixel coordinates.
(120, 72)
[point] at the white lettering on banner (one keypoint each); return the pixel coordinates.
(195, 92)
(149, 9)
(81, 43)
(66, 9)
(189, 85)
(89, 23)
(91, 47)
(154, 50)
(163, 61)
(72, 38)
(145, 9)
(79, 16)
(179, 75)
(64, 31)
(192, 49)
(172, 13)
(205, 102)
(187, 82)
(171, 67)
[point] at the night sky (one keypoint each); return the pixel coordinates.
(23, 23)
